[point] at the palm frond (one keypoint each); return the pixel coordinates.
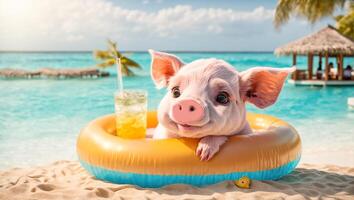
(282, 12)
(130, 62)
(345, 23)
(108, 59)
(312, 10)
(102, 55)
(107, 63)
(112, 47)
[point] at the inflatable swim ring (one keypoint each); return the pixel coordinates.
(270, 154)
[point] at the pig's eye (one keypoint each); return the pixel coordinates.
(223, 98)
(175, 92)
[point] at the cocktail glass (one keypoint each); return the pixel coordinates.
(131, 112)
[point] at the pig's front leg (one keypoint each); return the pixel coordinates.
(208, 146)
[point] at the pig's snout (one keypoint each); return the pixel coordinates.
(187, 111)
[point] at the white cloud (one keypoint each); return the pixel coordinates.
(61, 21)
(152, 1)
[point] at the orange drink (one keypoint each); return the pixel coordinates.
(131, 112)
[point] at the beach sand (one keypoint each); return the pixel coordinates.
(68, 180)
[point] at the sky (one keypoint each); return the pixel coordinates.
(194, 25)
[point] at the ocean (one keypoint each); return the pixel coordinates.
(40, 119)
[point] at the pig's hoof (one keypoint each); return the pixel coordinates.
(206, 151)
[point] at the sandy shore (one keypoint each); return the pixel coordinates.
(68, 180)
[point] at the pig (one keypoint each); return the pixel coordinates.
(206, 98)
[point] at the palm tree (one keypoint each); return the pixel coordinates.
(314, 10)
(108, 59)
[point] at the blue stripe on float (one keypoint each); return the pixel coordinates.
(153, 181)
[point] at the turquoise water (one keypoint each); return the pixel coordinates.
(40, 119)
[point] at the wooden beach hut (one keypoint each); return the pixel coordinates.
(326, 43)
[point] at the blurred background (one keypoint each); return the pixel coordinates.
(40, 117)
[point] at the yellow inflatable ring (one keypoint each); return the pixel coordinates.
(269, 154)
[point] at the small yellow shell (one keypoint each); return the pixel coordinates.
(243, 182)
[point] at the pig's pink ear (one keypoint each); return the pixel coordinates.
(163, 67)
(261, 85)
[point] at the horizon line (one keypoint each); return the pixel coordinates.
(132, 51)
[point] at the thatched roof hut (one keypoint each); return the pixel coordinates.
(327, 40)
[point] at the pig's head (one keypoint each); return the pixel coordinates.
(208, 96)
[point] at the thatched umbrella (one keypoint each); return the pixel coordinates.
(326, 42)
